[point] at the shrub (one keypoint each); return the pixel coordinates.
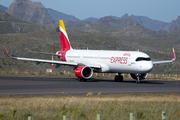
(13, 112)
(61, 73)
(63, 110)
(139, 115)
(40, 73)
(89, 94)
(26, 115)
(1, 115)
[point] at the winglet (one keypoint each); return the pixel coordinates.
(6, 50)
(174, 56)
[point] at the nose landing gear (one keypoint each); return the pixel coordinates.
(138, 80)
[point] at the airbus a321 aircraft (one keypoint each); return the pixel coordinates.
(85, 62)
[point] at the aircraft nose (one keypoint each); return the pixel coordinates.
(149, 66)
(146, 67)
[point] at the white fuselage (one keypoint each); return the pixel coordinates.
(112, 61)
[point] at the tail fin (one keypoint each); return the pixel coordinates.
(65, 44)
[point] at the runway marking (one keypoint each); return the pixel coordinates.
(27, 76)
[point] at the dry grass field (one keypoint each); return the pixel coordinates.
(112, 107)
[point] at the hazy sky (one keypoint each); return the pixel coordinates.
(163, 10)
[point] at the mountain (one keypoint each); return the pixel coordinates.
(60, 16)
(91, 19)
(30, 11)
(8, 23)
(114, 17)
(125, 16)
(175, 24)
(119, 23)
(11, 24)
(73, 24)
(3, 8)
(147, 22)
(5, 17)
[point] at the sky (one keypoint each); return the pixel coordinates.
(162, 10)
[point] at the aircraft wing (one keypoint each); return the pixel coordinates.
(45, 53)
(166, 61)
(50, 61)
(160, 62)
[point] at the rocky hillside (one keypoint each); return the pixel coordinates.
(30, 11)
(60, 16)
(73, 24)
(119, 23)
(8, 23)
(91, 19)
(147, 22)
(11, 24)
(175, 24)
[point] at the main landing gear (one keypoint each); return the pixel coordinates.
(118, 77)
(82, 80)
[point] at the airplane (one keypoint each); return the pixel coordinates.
(86, 62)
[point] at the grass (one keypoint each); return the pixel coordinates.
(112, 107)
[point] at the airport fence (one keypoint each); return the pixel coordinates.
(100, 117)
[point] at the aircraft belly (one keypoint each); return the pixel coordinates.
(119, 68)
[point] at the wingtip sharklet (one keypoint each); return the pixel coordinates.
(174, 56)
(5, 50)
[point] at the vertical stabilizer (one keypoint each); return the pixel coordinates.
(65, 44)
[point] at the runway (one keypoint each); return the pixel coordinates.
(62, 85)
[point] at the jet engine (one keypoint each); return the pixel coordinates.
(83, 72)
(141, 76)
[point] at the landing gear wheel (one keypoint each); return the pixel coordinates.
(120, 78)
(116, 78)
(80, 80)
(84, 80)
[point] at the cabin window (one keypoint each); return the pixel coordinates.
(143, 59)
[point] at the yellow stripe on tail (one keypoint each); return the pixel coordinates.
(61, 24)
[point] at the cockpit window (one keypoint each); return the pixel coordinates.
(143, 59)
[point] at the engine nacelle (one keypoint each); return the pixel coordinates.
(83, 72)
(141, 76)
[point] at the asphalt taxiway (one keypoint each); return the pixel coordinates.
(62, 85)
